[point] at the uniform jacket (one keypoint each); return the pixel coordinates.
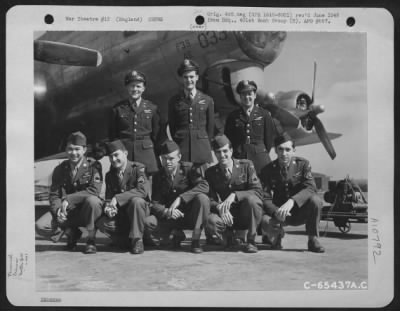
(133, 184)
(187, 183)
(243, 182)
(252, 136)
(298, 185)
(139, 129)
(191, 124)
(87, 181)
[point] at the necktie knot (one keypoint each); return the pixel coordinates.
(190, 95)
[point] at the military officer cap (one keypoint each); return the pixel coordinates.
(77, 138)
(135, 75)
(220, 141)
(168, 146)
(283, 138)
(246, 85)
(114, 146)
(188, 65)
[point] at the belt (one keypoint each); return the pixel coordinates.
(250, 142)
(141, 137)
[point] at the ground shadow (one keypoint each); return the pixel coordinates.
(335, 235)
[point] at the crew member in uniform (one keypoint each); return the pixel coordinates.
(290, 196)
(235, 194)
(136, 122)
(127, 208)
(250, 128)
(74, 197)
(191, 117)
(180, 198)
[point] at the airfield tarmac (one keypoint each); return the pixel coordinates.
(110, 269)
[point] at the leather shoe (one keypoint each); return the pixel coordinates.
(73, 237)
(211, 240)
(177, 238)
(278, 243)
(150, 241)
(196, 248)
(314, 246)
(137, 247)
(233, 243)
(266, 240)
(90, 247)
(250, 247)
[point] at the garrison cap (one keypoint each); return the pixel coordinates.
(77, 138)
(282, 138)
(114, 146)
(135, 75)
(168, 146)
(188, 65)
(220, 141)
(246, 85)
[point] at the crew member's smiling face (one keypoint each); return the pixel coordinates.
(189, 80)
(135, 89)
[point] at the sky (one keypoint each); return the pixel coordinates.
(341, 86)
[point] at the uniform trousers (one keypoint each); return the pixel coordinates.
(308, 214)
(133, 220)
(246, 216)
(195, 216)
(82, 215)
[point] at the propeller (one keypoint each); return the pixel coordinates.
(65, 54)
(319, 127)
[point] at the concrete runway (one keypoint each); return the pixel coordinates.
(345, 259)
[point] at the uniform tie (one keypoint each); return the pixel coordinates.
(121, 175)
(74, 171)
(284, 172)
(228, 173)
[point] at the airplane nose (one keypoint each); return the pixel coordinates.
(262, 46)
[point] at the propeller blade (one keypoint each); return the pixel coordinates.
(286, 118)
(313, 82)
(323, 136)
(65, 54)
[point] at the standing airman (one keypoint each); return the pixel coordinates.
(250, 128)
(136, 122)
(191, 117)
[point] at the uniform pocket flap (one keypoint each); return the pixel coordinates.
(147, 145)
(202, 135)
(260, 149)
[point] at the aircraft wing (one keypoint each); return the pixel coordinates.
(303, 137)
(57, 156)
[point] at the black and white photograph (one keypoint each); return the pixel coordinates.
(219, 159)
